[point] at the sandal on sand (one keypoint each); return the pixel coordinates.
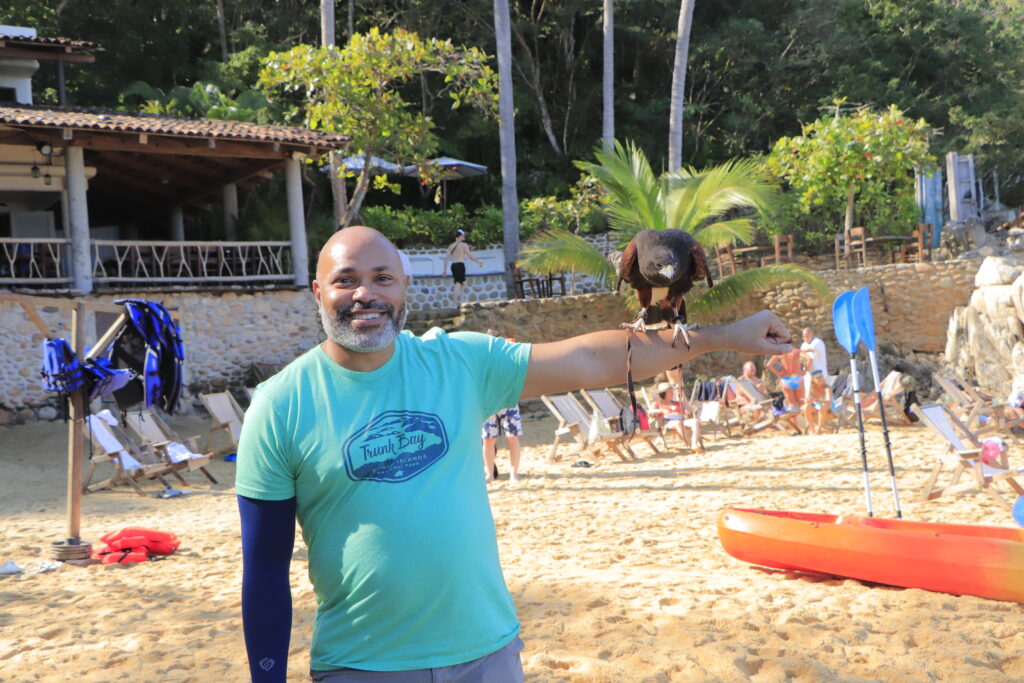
(581, 463)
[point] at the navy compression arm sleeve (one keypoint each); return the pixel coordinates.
(268, 537)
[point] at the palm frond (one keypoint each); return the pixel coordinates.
(633, 189)
(560, 250)
(733, 289)
(738, 230)
(701, 195)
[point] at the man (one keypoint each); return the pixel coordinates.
(509, 422)
(742, 399)
(370, 439)
(813, 353)
(458, 252)
(817, 402)
(786, 366)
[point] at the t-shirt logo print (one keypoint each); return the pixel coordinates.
(395, 446)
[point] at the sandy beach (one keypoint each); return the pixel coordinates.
(616, 570)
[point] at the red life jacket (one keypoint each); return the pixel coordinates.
(134, 544)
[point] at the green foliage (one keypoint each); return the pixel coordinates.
(699, 202)
(875, 154)
(363, 90)
(703, 203)
(410, 226)
(202, 100)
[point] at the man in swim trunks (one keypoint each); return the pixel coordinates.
(458, 252)
(818, 403)
(510, 423)
(370, 440)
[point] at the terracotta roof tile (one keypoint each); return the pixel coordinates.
(122, 122)
(63, 42)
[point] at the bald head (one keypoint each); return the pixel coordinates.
(357, 243)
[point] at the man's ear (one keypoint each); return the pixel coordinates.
(316, 292)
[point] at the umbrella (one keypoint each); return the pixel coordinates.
(377, 165)
(454, 169)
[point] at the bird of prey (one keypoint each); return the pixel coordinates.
(662, 266)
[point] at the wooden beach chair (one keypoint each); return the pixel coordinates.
(961, 455)
(182, 454)
(227, 417)
(757, 399)
(607, 408)
(657, 419)
(892, 400)
(574, 420)
(976, 411)
(131, 463)
(712, 413)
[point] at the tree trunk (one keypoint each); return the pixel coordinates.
(507, 141)
(608, 76)
(675, 122)
(327, 22)
(222, 30)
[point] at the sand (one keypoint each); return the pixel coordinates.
(616, 571)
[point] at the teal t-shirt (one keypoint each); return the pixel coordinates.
(388, 478)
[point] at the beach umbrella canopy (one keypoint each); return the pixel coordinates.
(454, 168)
(377, 165)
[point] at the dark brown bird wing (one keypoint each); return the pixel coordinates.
(700, 264)
(629, 271)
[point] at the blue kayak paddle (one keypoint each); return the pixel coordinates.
(849, 337)
(864, 321)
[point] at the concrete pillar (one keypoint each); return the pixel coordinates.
(230, 194)
(297, 223)
(78, 220)
(177, 224)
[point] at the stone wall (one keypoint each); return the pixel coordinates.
(911, 303)
(225, 332)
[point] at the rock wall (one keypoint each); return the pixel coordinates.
(226, 332)
(985, 337)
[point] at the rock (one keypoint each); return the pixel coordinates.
(6, 418)
(47, 413)
(998, 270)
(25, 415)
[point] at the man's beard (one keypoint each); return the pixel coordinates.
(338, 327)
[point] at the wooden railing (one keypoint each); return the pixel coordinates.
(46, 262)
(190, 262)
(25, 261)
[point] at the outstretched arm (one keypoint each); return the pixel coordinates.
(268, 536)
(598, 359)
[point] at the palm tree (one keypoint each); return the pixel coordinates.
(702, 203)
(675, 117)
(507, 140)
(608, 78)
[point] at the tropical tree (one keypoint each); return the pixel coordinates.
(360, 90)
(703, 203)
(678, 97)
(860, 154)
(507, 141)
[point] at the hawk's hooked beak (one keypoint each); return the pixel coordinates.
(667, 271)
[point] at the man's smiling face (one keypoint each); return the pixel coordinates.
(360, 290)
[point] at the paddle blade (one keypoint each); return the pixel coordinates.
(842, 321)
(1018, 511)
(862, 317)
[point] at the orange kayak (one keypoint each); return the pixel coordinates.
(987, 561)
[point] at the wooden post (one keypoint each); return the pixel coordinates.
(76, 422)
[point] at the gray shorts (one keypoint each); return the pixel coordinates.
(501, 666)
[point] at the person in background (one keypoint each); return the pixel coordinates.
(787, 367)
(744, 403)
(458, 252)
(817, 402)
(675, 410)
(507, 421)
(813, 353)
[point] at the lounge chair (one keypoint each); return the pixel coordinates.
(843, 404)
(181, 453)
(973, 409)
(658, 420)
(962, 455)
(707, 400)
(227, 417)
(892, 400)
(757, 401)
(574, 420)
(607, 408)
(131, 463)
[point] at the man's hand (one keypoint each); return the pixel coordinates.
(761, 333)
